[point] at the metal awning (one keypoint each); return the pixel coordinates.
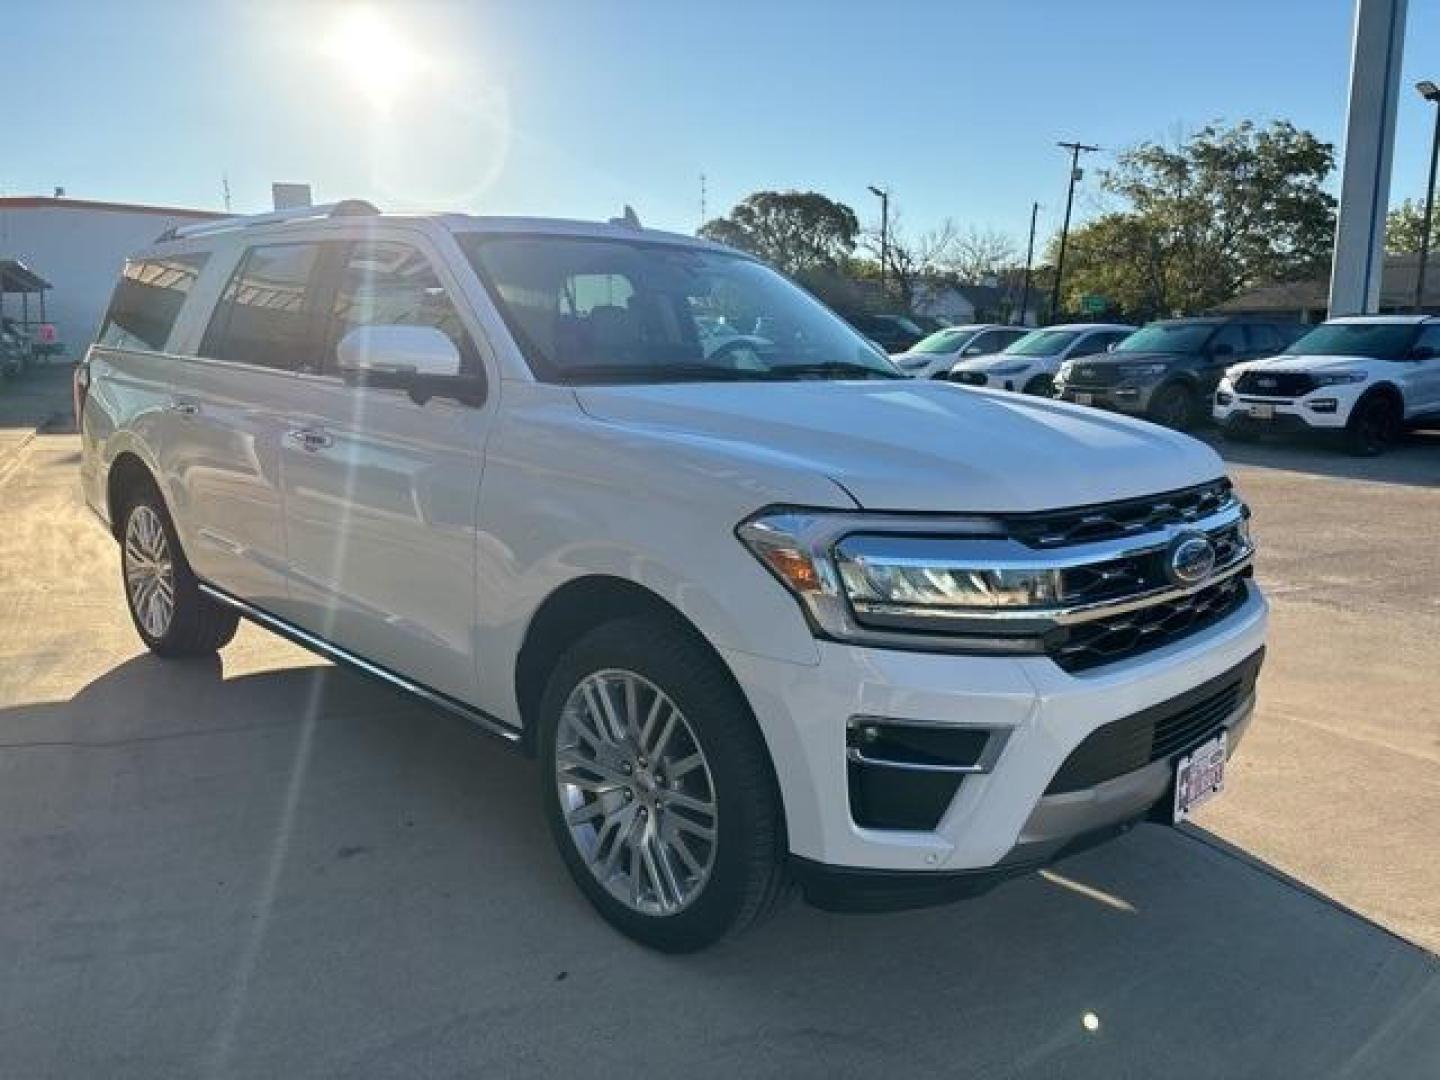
(16, 277)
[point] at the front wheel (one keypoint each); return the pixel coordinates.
(1041, 386)
(1374, 426)
(1174, 407)
(171, 614)
(658, 788)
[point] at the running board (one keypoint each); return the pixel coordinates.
(490, 724)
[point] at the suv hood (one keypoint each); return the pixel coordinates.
(1297, 362)
(1110, 359)
(994, 360)
(921, 446)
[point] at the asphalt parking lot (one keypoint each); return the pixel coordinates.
(266, 867)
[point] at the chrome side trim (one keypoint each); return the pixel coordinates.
(491, 724)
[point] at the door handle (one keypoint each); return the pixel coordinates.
(183, 408)
(311, 439)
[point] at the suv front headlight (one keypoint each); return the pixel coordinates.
(1008, 369)
(1340, 378)
(855, 578)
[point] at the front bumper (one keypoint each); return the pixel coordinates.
(1130, 397)
(1040, 712)
(1326, 408)
(1013, 381)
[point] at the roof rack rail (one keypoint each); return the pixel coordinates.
(343, 208)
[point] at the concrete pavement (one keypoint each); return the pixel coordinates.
(262, 866)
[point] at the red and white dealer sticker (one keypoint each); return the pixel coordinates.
(1200, 776)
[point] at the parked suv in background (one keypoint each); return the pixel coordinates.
(933, 357)
(1029, 364)
(764, 611)
(1167, 371)
(893, 333)
(1364, 378)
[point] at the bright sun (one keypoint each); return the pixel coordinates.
(373, 55)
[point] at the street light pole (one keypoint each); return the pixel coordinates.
(1430, 92)
(883, 194)
(1075, 149)
(1029, 260)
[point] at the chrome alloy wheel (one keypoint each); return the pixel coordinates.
(149, 571)
(636, 792)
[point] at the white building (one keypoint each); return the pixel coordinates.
(78, 247)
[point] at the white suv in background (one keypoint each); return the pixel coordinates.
(1364, 378)
(934, 356)
(763, 610)
(1030, 363)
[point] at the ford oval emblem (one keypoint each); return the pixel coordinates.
(1190, 559)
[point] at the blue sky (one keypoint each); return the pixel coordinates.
(572, 108)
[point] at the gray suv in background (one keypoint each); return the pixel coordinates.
(1167, 371)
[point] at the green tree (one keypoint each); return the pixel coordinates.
(795, 231)
(1404, 227)
(1225, 209)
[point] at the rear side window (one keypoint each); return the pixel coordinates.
(148, 300)
(267, 314)
(384, 283)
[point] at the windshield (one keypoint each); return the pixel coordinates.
(603, 310)
(1167, 338)
(943, 341)
(1382, 341)
(1042, 343)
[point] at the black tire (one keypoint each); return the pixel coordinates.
(1040, 386)
(1374, 425)
(747, 877)
(1240, 431)
(197, 625)
(1174, 407)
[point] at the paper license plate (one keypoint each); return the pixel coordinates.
(1262, 412)
(1199, 777)
(1084, 399)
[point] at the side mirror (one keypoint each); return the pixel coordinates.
(421, 351)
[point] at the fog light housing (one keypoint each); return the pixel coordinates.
(1323, 405)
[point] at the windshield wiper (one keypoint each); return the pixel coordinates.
(659, 373)
(843, 368)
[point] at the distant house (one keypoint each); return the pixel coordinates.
(955, 304)
(1309, 301)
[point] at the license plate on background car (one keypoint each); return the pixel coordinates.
(1262, 412)
(1084, 399)
(1199, 776)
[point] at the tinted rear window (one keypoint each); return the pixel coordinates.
(266, 316)
(147, 301)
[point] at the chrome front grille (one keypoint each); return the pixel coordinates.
(1130, 517)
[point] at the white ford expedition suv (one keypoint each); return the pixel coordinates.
(767, 613)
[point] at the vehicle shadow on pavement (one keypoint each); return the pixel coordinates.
(301, 872)
(1415, 461)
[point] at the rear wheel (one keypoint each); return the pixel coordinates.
(658, 788)
(171, 614)
(1173, 406)
(1374, 425)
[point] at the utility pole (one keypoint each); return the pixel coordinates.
(703, 218)
(1029, 260)
(1075, 148)
(883, 194)
(225, 187)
